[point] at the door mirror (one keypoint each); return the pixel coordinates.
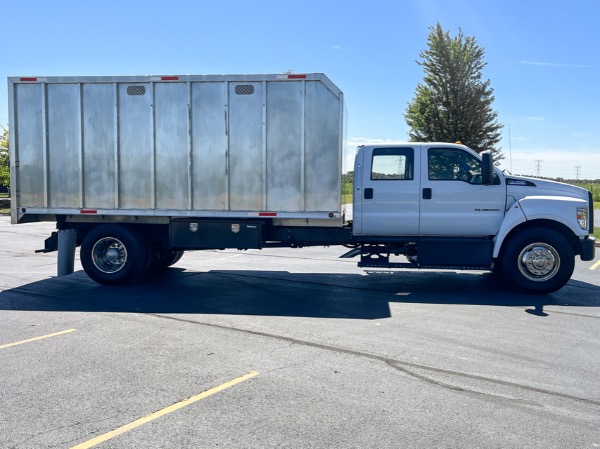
(487, 168)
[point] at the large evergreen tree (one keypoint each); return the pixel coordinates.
(453, 103)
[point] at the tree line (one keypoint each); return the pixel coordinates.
(4, 158)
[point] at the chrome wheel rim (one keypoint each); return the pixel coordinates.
(109, 255)
(539, 262)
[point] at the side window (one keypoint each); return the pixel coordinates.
(393, 164)
(453, 164)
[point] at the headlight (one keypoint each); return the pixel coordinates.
(582, 217)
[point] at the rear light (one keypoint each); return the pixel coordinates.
(165, 78)
(292, 76)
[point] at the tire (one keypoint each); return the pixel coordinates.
(537, 260)
(147, 261)
(165, 259)
(113, 254)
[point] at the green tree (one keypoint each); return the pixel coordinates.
(4, 158)
(453, 103)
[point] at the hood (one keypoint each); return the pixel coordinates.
(520, 187)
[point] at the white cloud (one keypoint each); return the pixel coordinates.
(536, 119)
(340, 48)
(555, 64)
(555, 163)
(353, 142)
(356, 141)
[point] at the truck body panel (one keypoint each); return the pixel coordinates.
(223, 145)
(513, 218)
(386, 190)
(454, 200)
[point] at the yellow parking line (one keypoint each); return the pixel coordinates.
(165, 411)
(596, 265)
(37, 338)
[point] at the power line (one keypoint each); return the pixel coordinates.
(577, 171)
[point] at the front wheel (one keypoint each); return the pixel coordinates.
(113, 254)
(537, 260)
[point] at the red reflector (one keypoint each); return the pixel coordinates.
(88, 211)
(267, 214)
(28, 79)
(169, 78)
(296, 77)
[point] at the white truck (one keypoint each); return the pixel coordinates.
(138, 169)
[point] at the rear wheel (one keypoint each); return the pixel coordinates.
(164, 259)
(538, 260)
(113, 254)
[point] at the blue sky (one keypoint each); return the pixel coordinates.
(543, 58)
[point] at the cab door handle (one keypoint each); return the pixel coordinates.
(368, 193)
(426, 193)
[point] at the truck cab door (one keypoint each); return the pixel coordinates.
(386, 196)
(453, 199)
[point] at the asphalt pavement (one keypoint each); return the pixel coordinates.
(291, 348)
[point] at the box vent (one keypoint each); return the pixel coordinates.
(244, 89)
(136, 90)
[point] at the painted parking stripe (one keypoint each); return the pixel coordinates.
(22, 342)
(165, 411)
(596, 265)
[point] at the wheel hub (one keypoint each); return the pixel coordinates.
(109, 255)
(539, 262)
(112, 255)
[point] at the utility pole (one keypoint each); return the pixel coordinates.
(577, 171)
(510, 148)
(538, 167)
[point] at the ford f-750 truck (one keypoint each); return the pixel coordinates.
(138, 169)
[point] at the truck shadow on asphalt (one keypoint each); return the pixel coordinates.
(280, 293)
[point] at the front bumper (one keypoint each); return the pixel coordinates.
(587, 248)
